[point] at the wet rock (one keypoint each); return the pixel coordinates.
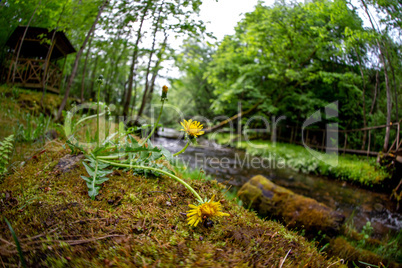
(271, 200)
(378, 207)
(68, 163)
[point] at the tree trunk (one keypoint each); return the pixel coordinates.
(85, 68)
(394, 83)
(92, 91)
(144, 97)
(389, 104)
(388, 90)
(49, 51)
(127, 99)
(48, 55)
(113, 70)
(156, 70)
(22, 40)
(132, 105)
(364, 102)
(377, 82)
(77, 58)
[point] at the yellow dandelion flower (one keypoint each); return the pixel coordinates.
(193, 128)
(208, 209)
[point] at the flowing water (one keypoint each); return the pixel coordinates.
(235, 167)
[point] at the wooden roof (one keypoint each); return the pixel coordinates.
(33, 45)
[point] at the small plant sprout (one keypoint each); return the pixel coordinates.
(6, 147)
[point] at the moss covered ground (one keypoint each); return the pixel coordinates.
(22, 115)
(135, 221)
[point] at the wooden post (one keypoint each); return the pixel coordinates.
(306, 137)
(47, 61)
(392, 146)
(346, 140)
(279, 134)
(397, 136)
(369, 142)
(323, 140)
(399, 146)
(291, 135)
(12, 65)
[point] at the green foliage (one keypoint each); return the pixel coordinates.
(366, 232)
(34, 128)
(6, 148)
(97, 175)
(193, 174)
(289, 55)
(299, 57)
(388, 248)
(120, 150)
(351, 168)
(130, 153)
(193, 61)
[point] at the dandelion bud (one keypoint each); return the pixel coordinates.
(164, 92)
(100, 80)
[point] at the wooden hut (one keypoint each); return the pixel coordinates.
(40, 62)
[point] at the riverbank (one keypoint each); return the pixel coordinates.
(133, 221)
(354, 169)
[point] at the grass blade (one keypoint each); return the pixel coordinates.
(16, 242)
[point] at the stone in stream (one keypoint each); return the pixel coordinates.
(271, 200)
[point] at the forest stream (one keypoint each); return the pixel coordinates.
(229, 167)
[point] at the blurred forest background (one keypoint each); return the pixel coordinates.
(290, 58)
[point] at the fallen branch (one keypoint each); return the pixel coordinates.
(221, 124)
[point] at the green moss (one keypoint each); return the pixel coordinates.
(340, 247)
(296, 211)
(15, 105)
(29, 100)
(134, 221)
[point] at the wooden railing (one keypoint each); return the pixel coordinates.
(30, 73)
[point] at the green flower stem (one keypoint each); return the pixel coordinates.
(157, 170)
(97, 117)
(182, 150)
(94, 177)
(115, 156)
(156, 124)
